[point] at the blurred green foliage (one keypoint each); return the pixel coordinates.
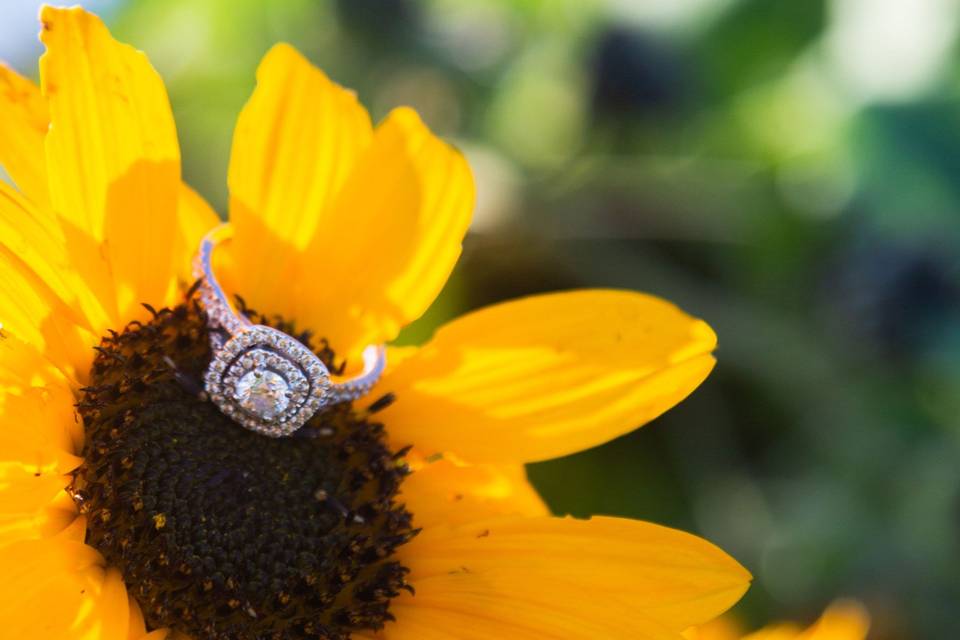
(744, 159)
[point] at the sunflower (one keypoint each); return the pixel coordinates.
(130, 507)
(843, 620)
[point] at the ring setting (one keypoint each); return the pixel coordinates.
(262, 378)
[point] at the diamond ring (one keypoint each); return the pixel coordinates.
(262, 378)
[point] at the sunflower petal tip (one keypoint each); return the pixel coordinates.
(847, 614)
(406, 118)
(282, 51)
(285, 57)
(50, 14)
(704, 332)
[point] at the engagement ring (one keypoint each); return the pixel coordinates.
(262, 378)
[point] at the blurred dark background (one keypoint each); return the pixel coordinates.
(788, 170)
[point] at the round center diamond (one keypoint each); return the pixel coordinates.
(263, 393)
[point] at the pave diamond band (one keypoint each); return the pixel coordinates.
(259, 376)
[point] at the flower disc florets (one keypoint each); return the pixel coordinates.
(220, 532)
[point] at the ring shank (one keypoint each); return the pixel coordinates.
(220, 313)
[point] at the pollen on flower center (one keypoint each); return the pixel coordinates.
(222, 533)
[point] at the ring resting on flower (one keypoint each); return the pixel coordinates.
(262, 378)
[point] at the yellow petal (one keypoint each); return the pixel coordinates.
(76, 531)
(361, 231)
(196, 218)
(33, 522)
(137, 627)
(32, 237)
(28, 488)
(29, 505)
(38, 428)
(112, 153)
(23, 126)
(107, 615)
(551, 577)
(38, 435)
(844, 620)
(393, 240)
(523, 497)
(57, 588)
(722, 628)
(296, 141)
(43, 300)
(446, 492)
(546, 376)
(396, 355)
(448, 609)
(23, 366)
(783, 631)
(32, 312)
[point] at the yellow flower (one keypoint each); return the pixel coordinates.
(844, 620)
(152, 510)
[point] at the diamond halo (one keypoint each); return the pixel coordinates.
(267, 381)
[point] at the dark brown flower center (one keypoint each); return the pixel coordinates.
(222, 533)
